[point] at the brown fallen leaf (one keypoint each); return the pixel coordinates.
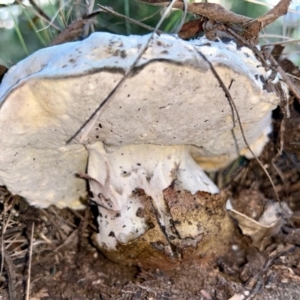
(3, 70)
(268, 225)
(71, 32)
(74, 30)
(191, 29)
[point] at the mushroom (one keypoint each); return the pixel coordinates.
(163, 127)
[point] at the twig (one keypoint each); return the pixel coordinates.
(232, 103)
(50, 23)
(185, 10)
(39, 12)
(217, 13)
(279, 10)
(258, 276)
(82, 228)
(284, 76)
(274, 65)
(288, 40)
(4, 227)
(69, 241)
(293, 76)
(90, 122)
(10, 270)
(211, 11)
(90, 7)
(150, 28)
(78, 215)
(43, 15)
(29, 264)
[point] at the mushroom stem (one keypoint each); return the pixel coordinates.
(116, 177)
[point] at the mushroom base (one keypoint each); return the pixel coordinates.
(158, 248)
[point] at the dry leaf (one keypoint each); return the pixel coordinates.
(269, 224)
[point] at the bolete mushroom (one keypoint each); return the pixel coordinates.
(168, 122)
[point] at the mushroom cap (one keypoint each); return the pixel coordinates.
(170, 98)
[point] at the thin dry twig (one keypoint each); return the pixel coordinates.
(232, 104)
(39, 12)
(90, 122)
(287, 39)
(216, 13)
(211, 11)
(150, 28)
(6, 258)
(43, 15)
(4, 227)
(78, 215)
(90, 8)
(279, 10)
(77, 28)
(266, 55)
(29, 264)
(10, 271)
(284, 76)
(257, 277)
(252, 28)
(71, 240)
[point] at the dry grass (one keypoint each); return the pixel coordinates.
(28, 235)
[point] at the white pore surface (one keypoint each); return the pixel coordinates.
(171, 98)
